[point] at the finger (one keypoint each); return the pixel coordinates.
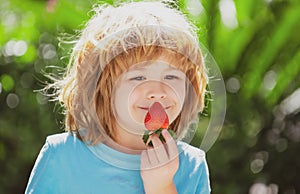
(152, 157)
(160, 149)
(170, 144)
(145, 163)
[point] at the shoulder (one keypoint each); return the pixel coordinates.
(192, 175)
(59, 138)
(62, 148)
(193, 169)
(52, 165)
(63, 143)
(192, 159)
(190, 152)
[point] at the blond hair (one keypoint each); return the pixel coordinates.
(115, 38)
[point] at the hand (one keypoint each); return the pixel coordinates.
(159, 165)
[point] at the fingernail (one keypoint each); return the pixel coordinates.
(164, 131)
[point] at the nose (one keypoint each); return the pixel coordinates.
(156, 91)
(156, 95)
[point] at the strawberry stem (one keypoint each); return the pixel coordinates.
(147, 134)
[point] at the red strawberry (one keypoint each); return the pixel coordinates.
(156, 117)
(155, 121)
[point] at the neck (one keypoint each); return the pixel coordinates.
(126, 142)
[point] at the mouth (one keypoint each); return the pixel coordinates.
(147, 108)
(143, 108)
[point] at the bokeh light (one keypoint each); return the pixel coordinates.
(228, 13)
(12, 100)
(233, 85)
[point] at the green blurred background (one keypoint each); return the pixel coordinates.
(255, 43)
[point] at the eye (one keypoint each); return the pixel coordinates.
(138, 78)
(171, 77)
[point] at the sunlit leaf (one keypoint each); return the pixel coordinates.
(264, 56)
(7, 82)
(287, 75)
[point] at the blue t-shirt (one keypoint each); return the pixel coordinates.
(67, 165)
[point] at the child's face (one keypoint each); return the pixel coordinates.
(144, 84)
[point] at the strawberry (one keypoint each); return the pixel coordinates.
(155, 121)
(156, 117)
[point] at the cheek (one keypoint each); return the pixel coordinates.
(123, 108)
(182, 93)
(134, 96)
(120, 98)
(126, 97)
(179, 92)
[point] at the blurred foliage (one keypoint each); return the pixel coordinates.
(255, 43)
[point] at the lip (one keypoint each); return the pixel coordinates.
(144, 108)
(147, 108)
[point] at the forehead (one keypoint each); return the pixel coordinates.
(157, 64)
(141, 57)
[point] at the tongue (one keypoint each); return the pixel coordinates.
(156, 117)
